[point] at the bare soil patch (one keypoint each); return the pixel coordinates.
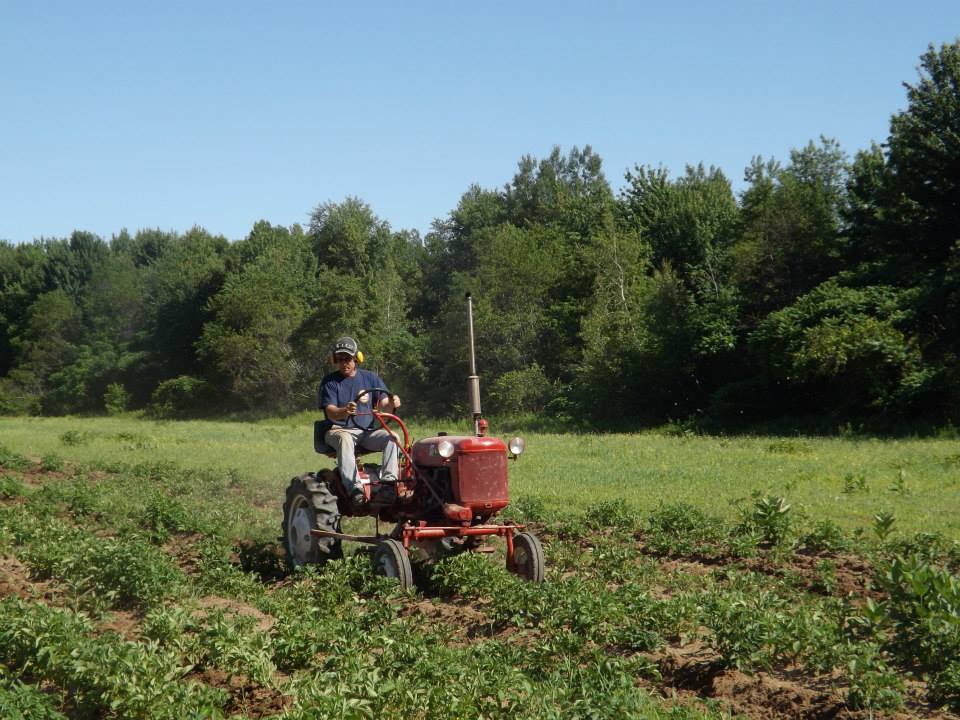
(246, 697)
(229, 606)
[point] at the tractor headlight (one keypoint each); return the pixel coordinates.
(516, 445)
(445, 448)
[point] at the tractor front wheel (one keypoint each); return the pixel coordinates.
(528, 560)
(391, 560)
(310, 505)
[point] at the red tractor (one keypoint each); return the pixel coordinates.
(446, 497)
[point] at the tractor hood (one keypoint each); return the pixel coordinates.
(425, 452)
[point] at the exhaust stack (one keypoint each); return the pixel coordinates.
(473, 380)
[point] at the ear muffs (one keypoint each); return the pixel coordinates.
(359, 356)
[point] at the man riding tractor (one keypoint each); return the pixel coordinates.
(347, 397)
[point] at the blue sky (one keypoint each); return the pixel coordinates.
(174, 114)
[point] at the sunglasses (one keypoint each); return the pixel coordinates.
(342, 358)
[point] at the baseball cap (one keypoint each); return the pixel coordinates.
(345, 345)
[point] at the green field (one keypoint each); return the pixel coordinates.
(687, 577)
(847, 481)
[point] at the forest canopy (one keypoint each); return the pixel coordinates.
(829, 286)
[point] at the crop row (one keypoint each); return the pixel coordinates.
(336, 641)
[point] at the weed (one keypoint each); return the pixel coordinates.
(611, 514)
(883, 523)
(770, 516)
(855, 483)
(679, 528)
(789, 447)
(73, 438)
(899, 485)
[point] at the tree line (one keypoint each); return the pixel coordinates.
(829, 286)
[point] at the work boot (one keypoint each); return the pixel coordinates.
(357, 498)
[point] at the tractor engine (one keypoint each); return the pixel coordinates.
(472, 471)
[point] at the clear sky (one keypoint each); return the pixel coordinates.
(172, 114)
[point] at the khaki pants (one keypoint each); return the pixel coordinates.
(345, 442)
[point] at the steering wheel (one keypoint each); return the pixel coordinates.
(382, 417)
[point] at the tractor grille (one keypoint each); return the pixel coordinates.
(481, 480)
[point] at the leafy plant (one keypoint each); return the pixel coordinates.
(922, 611)
(12, 460)
(771, 515)
(883, 523)
(52, 463)
(11, 487)
(873, 684)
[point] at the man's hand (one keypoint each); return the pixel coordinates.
(351, 408)
(389, 403)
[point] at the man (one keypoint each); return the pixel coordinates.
(352, 424)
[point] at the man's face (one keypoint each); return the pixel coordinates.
(346, 363)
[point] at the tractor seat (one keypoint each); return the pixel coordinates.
(320, 428)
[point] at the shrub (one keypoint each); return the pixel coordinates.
(520, 391)
(180, 397)
(116, 399)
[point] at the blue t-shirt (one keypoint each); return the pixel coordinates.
(336, 389)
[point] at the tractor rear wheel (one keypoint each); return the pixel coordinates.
(391, 560)
(310, 505)
(528, 560)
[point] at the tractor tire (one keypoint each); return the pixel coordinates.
(310, 505)
(528, 560)
(390, 560)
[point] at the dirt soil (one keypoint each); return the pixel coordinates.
(246, 697)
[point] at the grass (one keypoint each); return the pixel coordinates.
(846, 481)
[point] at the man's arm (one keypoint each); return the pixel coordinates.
(340, 413)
